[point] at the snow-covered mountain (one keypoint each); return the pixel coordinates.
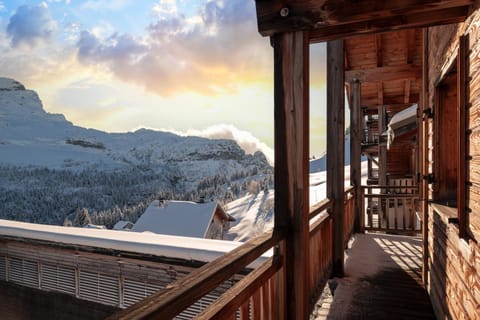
(31, 136)
(33, 139)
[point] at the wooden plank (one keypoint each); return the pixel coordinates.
(239, 294)
(388, 73)
(291, 73)
(356, 152)
(408, 87)
(462, 87)
(378, 49)
(373, 103)
(398, 22)
(411, 45)
(278, 16)
(335, 147)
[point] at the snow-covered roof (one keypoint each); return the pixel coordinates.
(179, 218)
(142, 243)
(122, 225)
(402, 122)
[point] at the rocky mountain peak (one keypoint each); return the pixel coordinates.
(7, 84)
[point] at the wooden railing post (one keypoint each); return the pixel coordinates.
(291, 68)
(336, 146)
(356, 153)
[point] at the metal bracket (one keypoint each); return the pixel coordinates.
(430, 178)
(428, 113)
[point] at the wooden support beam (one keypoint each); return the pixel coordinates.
(407, 91)
(390, 73)
(347, 64)
(356, 126)
(332, 19)
(379, 94)
(291, 65)
(378, 49)
(336, 147)
(382, 150)
(424, 157)
(410, 45)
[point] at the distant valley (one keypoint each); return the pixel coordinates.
(51, 169)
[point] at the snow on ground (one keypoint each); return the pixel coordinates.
(253, 216)
(254, 212)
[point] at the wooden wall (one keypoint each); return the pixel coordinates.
(454, 262)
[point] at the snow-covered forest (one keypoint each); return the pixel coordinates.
(53, 196)
(54, 172)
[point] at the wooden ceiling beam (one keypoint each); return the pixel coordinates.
(277, 16)
(390, 101)
(391, 73)
(418, 20)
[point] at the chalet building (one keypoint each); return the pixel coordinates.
(56, 272)
(387, 56)
(423, 171)
(185, 218)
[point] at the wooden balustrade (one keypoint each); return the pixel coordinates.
(349, 217)
(321, 237)
(392, 209)
(256, 295)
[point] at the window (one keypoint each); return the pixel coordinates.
(450, 142)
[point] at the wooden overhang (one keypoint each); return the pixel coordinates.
(332, 19)
(388, 67)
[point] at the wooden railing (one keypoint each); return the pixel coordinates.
(321, 229)
(349, 216)
(256, 295)
(391, 209)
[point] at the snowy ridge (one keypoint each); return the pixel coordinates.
(26, 130)
(112, 175)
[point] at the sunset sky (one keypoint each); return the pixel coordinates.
(188, 66)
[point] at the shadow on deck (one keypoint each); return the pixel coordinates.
(382, 281)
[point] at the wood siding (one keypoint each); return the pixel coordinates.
(453, 261)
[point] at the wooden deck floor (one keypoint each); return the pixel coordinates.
(382, 281)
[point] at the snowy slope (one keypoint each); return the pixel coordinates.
(29, 136)
(254, 213)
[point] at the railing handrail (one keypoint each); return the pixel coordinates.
(318, 208)
(241, 291)
(388, 187)
(391, 195)
(180, 294)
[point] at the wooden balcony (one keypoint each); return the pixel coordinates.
(382, 274)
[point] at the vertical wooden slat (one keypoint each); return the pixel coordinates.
(265, 300)
(335, 146)
(244, 310)
(395, 212)
(462, 120)
(356, 152)
(257, 305)
(387, 212)
(382, 159)
(379, 212)
(291, 53)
